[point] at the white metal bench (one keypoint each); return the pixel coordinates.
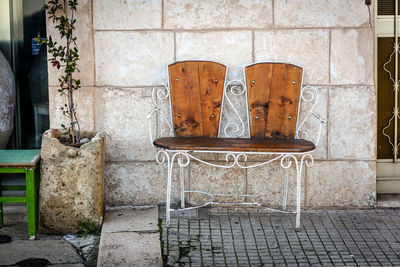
(196, 95)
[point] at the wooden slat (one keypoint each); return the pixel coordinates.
(274, 98)
(212, 77)
(235, 144)
(258, 81)
(185, 99)
(284, 101)
(196, 96)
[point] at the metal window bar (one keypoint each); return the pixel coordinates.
(395, 81)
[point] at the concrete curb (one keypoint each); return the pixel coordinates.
(130, 237)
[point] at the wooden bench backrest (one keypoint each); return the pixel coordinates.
(273, 91)
(196, 97)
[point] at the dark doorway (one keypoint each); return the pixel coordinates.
(28, 59)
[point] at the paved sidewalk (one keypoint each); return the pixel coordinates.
(51, 250)
(252, 237)
(130, 237)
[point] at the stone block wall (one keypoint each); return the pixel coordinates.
(126, 45)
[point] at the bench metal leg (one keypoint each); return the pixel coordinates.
(299, 169)
(31, 202)
(285, 186)
(182, 183)
(298, 195)
(168, 204)
(286, 163)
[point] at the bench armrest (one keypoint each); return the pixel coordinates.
(149, 116)
(151, 113)
(160, 93)
(316, 115)
(322, 122)
(309, 94)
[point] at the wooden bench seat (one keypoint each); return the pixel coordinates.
(235, 144)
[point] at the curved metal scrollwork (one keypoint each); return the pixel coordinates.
(183, 160)
(387, 62)
(395, 112)
(161, 156)
(236, 90)
(309, 94)
(232, 159)
(309, 162)
(160, 93)
(286, 161)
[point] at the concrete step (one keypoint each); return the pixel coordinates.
(130, 237)
(388, 201)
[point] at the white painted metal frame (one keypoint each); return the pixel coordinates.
(388, 170)
(308, 94)
(395, 80)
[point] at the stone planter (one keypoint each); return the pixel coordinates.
(72, 185)
(7, 101)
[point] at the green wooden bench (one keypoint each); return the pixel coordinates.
(22, 161)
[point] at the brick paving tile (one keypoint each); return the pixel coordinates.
(252, 237)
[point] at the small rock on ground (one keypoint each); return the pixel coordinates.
(87, 247)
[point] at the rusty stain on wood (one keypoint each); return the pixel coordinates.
(258, 81)
(196, 96)
(273, 93)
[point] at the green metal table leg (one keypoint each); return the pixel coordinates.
(1, 206)
(31, 202)
(37, 186)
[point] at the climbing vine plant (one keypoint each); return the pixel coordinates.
(65, 55)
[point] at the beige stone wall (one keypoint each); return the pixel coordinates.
(125, 46)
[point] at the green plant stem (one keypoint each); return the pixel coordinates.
(67, 55)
